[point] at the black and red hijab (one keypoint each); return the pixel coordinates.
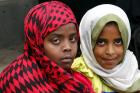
(33, 72)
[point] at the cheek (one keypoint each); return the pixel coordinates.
(51, 53)
(98, 52)
(74, 49)
(120, 52)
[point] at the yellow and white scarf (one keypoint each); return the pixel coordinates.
(125, 76)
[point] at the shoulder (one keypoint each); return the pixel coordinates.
(78, 63)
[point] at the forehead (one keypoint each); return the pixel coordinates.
(97, 29)
(110, 30)
(68, 27)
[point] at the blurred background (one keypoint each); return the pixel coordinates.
(12, 13)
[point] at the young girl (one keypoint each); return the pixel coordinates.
(105, 60)
(51, 37)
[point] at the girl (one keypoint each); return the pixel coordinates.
(51, 37)
(105, 60)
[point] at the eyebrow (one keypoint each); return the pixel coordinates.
(74, 33)
(59, 34)
(119, 38)
(101, 39)
(54, 35)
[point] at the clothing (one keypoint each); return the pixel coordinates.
(98, 84)
(33, 71)
(125, 76)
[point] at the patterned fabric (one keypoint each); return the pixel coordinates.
(33, 72)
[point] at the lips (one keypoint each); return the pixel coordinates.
(109, 61)
(67, 59)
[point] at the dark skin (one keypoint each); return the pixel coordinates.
(61, 45)
(109, 47)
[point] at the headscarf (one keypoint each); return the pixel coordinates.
(33, 72)
(125, 76)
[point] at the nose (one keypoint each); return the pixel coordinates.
(67, 46)
(110, 50)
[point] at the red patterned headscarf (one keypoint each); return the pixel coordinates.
(33, 72)
(40, 21)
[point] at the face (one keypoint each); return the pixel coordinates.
(61, 45)
(109, 50)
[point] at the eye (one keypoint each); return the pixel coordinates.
(100, 42)
(118, 41)
(55, 41)
(74, 38)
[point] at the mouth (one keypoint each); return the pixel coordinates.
(109, 61)
(67, 60)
